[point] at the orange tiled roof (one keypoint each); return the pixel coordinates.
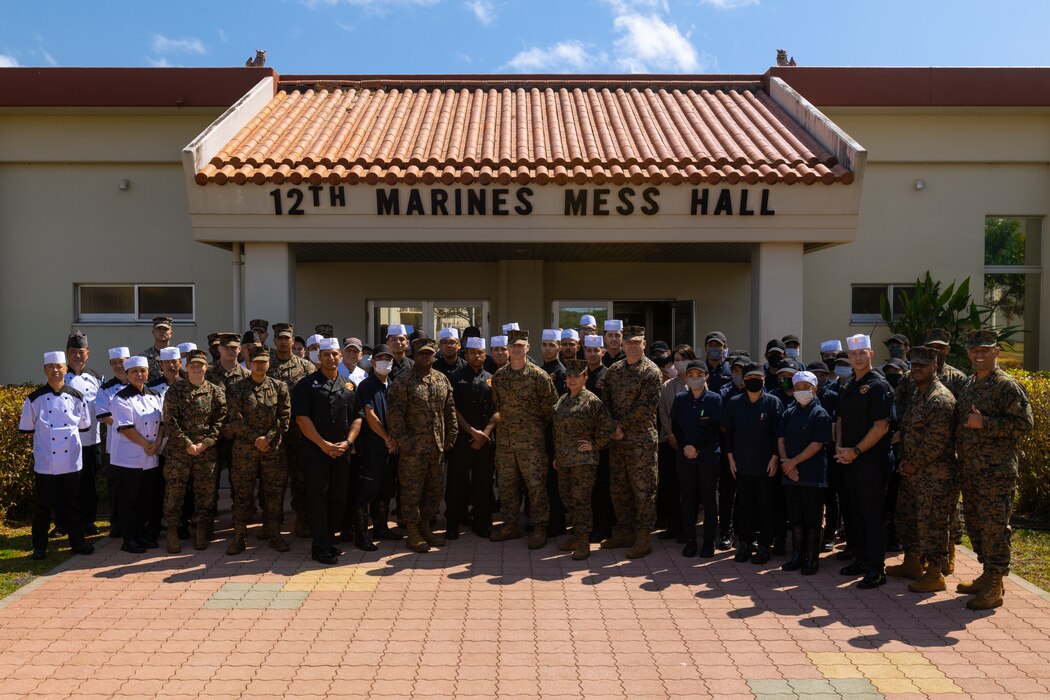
(616, 131)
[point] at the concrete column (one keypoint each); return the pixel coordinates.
(521, 298)
(776, 293)
(269, 282)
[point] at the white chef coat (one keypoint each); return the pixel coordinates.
(103, 399)
(87, 383)
(160, 386)
(142, 412)
(56, 420)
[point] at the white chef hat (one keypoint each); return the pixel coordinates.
(448, 333)
(186, 347)
(328, 344)
(550, 334)
(397, 329)
(614, 324)
(593, 341)
(476, 343)
(588, 320)
(508, 327)
(858, 342)
(570, 334)
(136, 361)
(831, 346)
(498, 341)
(170, 354)
(55, 357)
(314, 339)
(807, 377)
(117, 353)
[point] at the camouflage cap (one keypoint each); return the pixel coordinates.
(230, 340)
(982, 338)
(922, 355)
(259, 352)
(634, 333)
(324, 329)
(283, 330)
(423, 344)
(213, 338)
(517, 337)
(196, 356)
(258, 324)
(938, 336)
(162, 322)
(575, 366)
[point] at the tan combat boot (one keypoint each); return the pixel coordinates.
(583, 547)
(911, 567)
(569, 543)
(620, 539)
(277, 542)
(975, 586)
(991, 596)
(174, 545)
(642, 545)
(431, 538)
(510, 530)
(237, 546)
(538, 538)
(932, 580)
(414, 539)
(264, 532)
(200, 536)
(948, 567)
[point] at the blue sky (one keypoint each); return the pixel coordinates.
(485, 36)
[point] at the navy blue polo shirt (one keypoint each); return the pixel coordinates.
(862, 402)
(371, 392)
(718, 376)
(697, 421)
(751, 431)
(800, 426)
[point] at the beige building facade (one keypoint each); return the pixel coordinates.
(756, 205)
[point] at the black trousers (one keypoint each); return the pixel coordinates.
(698, 483)
(780, 514)
(805, 505)
(727, 485)
(837, 484)
(832, 510)
(866, 479)
(59, 493)
(88, 494)
(668, 512)
(375, 475)
(347, 522)
(468, 482)
(138, 507)
(326, 487)
(754, 508)
(152, 501)
(601, 499)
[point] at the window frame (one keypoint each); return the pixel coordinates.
(132, 319)
(428, 307)
(889, 288)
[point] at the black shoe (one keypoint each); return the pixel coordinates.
(451, 530)
(57, 532)
(857, 568)
(149, 543)
(846, 555)
(811, 561)
(482, 530)
(361, 540)
(91, 530)
(742, 555)
(761, 556)
(83, 548)
(114, 532)
(133, 547)
(689, 550)
(873, 579)
(708, 550)
(828, 545)
(797, 547)
(324, 558)
(668, 534)
(335, 551)
(184, 532)
(346, 536)
(780, 546)
(725, 541)
(38, 554)
(894, 546)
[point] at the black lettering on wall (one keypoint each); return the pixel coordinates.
(627, 206)
(651, 206)
(764, 209)
(744, 211)
(316, 191)
(499, 202)
(475, 202)
(525, 206)
(276, 194)
(337, 196)
(387, 202)
(724, 205)
(575, 202)
(296, 195)
(437, 202)
(601, 206)
(415, 202)
(698, 202)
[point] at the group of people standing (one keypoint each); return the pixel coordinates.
(607, 436)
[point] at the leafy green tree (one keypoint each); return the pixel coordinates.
(1004, 244)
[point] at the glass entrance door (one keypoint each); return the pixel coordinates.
(668, 320)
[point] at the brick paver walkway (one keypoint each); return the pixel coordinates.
(487, 620)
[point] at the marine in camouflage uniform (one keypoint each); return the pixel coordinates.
(152, 354)
(929, 476)
(224, 379)
(993, 415)
(632, 394)
(192, 416)
(258, 411)
(290, 370)
(421, 417)
(524, 396)
(576, 418)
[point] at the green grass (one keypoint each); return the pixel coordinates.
(16, 568)
(1030, 556)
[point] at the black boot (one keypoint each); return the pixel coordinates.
(380, 516)
(797, 550)
(780, 544)
(812, 561)
(361, 540)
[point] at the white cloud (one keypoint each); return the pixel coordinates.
(162, 44)
(624, 6)
(484, 10)
(8, 61)
(729, 4)
(49, 58)
(648, 43)
(563, 57)
(159, 62)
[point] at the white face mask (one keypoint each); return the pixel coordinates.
(382, 367)
(843, 371)
(804, 397)
(681, 366)
(315, 357)
(695, 383)
(671, 371)
(366, 362)
(792, 353)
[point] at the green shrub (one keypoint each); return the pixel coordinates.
(1033, 484)
(16, 451)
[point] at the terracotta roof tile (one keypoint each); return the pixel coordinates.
(532, 131)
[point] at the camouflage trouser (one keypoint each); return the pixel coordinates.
(932, 497)
(956, 527)
(906, 514)
(292, 453)
(988, 498)
(178, 469)
(531, 463)
(632, 483)
(421, 474)
(223, 458)
(250, 467)
(576, 486)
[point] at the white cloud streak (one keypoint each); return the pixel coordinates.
(729, 4)
(563, 57)
(484, 10)
(648, 43)
(8, 61)
(163, 44)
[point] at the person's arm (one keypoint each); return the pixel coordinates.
(27, 421)
(666, 398)
(547, 395)
(375, 424)
(396, 400)
(235, 416)
(284, 414)
(603, 426)
(937, 437)
(172, 413)
(449, 410)
(309, 431)
(1013, 418)
(124, 418)
(218, 415)
(647, 402)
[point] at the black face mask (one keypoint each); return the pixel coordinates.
(754, 384)
(897, 351)
(893, 378)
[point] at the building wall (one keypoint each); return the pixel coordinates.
(64, 221)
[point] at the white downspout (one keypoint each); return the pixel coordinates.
(238, 280)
